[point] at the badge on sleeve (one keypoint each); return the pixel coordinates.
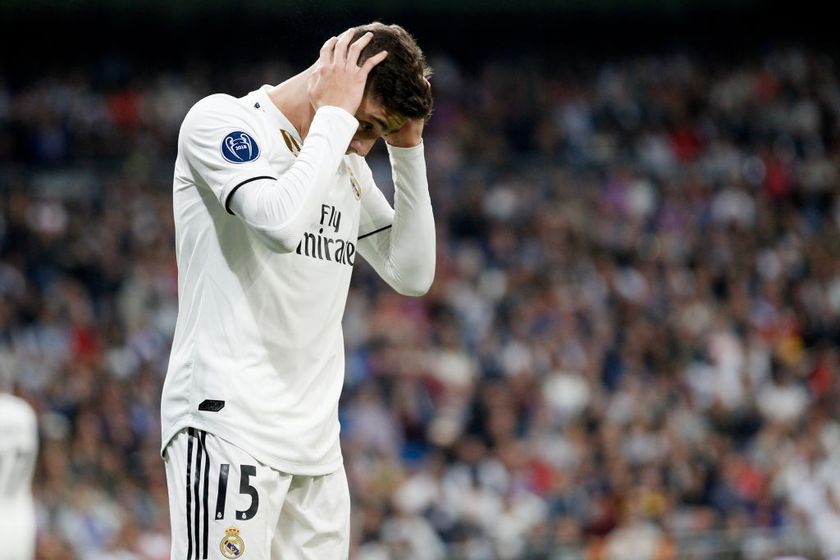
(239, 147)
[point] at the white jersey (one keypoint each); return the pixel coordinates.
(258, 353)
(18, 450)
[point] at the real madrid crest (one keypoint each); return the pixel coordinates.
(357, 188)
(232, 545)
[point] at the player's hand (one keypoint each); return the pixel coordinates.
(408, 135)
(338, 79)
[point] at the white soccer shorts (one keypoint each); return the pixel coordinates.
(224, 504)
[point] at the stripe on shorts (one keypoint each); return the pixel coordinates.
(189, 496)
(198, 491)
(205, 501)
(197, 525)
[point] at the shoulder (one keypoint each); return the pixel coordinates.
(17, 411)
(215, 108)
(215, 117)
(217, 102)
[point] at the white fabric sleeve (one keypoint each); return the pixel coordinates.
(280, 211)
(220, 142)
(399, 243)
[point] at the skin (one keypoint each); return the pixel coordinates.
(336, 79)
(376, 122)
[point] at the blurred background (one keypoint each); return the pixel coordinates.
(631, 347)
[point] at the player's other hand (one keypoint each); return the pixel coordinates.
(338, 79)
(410, 134)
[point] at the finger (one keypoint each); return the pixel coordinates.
(373, 61)
(356, 48)
(327, 50)
(340, 50)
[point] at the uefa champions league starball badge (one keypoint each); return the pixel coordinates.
(232, 545)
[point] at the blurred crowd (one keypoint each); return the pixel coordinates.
(630, 350)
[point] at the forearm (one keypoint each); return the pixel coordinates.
(404, 255)
(280, 208)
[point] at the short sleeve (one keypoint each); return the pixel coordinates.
(221, 143)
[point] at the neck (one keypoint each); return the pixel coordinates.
(292, 98)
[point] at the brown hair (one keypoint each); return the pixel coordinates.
(400, 81)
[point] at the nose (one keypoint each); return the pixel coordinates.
(361, 147)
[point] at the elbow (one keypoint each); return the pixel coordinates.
(414, 291)
(284, 246)
(417, 284)
(278, 242)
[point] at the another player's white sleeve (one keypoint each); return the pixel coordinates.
(276, 207)
(400, 243)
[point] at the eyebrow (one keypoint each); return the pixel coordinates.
(382, 124)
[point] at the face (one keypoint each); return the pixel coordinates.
(375, 121)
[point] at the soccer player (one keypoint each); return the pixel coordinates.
(273, 204)
(18, 450)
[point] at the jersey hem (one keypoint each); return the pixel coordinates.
(289, 467)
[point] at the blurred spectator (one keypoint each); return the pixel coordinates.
(631, 343)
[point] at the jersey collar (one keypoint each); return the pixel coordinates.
(262, 103)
